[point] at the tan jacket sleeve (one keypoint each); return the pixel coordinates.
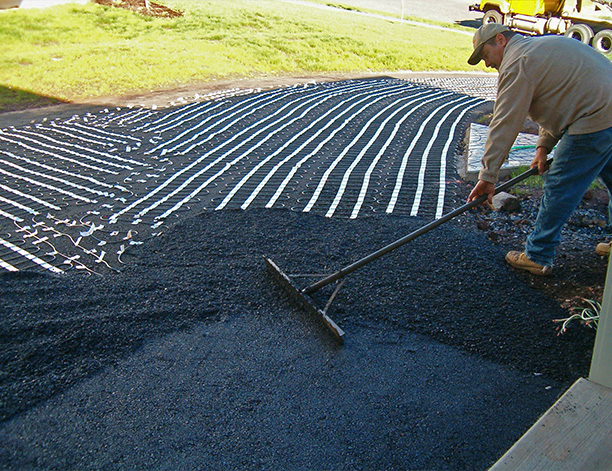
(546, 140)
(514, 95)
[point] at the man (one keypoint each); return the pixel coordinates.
(566, 87)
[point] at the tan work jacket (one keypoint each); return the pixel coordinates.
(562, 84)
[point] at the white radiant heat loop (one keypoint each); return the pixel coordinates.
(451, 134)
(330, 169)
(239, 110)
(404, 163)
(302, 161)
(370, 170)
(39, 147)
(94, 133)
(424, 158)
(63, 157)
(47, 187)
(277, 166)
(49, 168)
(24, 170)
(29, 256)
(229, 165)
(366, 148)
(174, 177)
(65, 144)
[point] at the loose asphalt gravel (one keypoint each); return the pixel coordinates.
(192, 358)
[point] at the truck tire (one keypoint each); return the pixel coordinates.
(581, 32)
(492, 16)
(602, 41)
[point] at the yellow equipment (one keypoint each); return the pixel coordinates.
(589, 21)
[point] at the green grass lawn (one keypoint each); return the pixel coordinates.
(75, 52)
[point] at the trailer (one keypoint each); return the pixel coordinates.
(588, 21)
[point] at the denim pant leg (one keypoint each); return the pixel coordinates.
(606, 178)
(578, 160)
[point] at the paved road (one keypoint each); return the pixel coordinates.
(451, 11)
(40, 3)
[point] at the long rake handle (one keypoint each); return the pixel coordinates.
(413, 235)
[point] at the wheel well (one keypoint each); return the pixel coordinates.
(493, 6)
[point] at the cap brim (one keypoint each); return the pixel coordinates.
(475, 57)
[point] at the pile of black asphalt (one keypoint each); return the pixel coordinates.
(193, 358)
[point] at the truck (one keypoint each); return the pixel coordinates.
(588, 21)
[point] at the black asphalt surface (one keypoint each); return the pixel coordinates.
(192, 358)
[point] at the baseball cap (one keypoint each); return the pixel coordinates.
(481, 36)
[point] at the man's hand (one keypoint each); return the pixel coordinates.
(539, 161)
(482, 188)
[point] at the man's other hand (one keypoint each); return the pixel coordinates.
(482, 188)
(539, 161)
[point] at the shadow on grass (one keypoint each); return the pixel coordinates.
(14, 99)
(470, 23)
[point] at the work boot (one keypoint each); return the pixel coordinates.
(603, 249)
(519, 260)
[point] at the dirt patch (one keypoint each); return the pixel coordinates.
(141, 7)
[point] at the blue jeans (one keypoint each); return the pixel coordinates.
(578, 161)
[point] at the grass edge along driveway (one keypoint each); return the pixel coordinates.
(78, 52)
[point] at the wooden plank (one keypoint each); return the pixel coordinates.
(574, 434)
(601, 372)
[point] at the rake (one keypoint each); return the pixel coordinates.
(302, 296)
